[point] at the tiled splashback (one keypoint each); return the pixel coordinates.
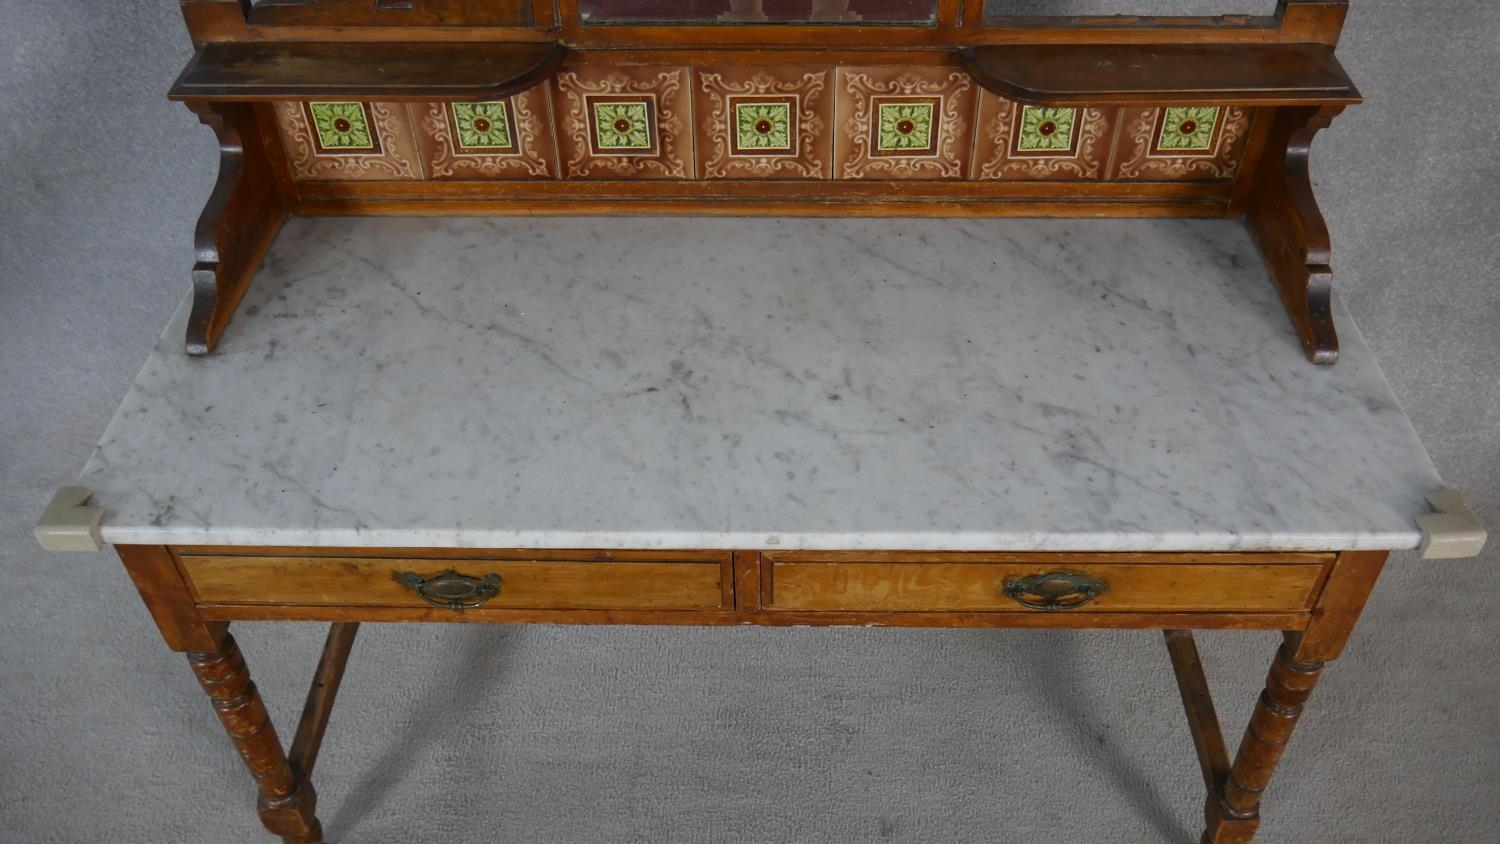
(759, 123)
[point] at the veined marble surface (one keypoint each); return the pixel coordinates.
(762, 383)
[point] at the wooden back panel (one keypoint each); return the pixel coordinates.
(451, 106)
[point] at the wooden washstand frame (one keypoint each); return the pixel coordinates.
(1280, 67)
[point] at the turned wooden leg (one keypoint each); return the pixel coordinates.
(1288, 687)
(287, 806)
(1236, 816)
(1234, 791)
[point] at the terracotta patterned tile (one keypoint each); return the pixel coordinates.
(1181, 142)
(1017, 141)
(903, 123)
(630, 122)
(504, 139)
(764, 123)
(348, 140)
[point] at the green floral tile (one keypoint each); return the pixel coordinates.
(905, 126)
(482, 125)
(622, 126)
(1046, 129)
(342, 126)
(763, 126)
(1188, 129)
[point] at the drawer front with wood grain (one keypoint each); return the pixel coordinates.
(468, 582)
(816, 582)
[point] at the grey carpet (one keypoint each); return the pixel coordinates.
(759, 736)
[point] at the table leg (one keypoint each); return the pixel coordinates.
(1234, 817)
(287, 801)
(287, 806)
(1234, 810)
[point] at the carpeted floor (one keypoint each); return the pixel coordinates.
(754, 736)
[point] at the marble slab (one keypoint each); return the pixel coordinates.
(1083, 385)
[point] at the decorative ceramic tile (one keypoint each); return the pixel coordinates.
(481, 127)
(905, 126)
(343, 128)
(903, 123)
(1046, 131)
(504, 139)
(1181, 142)
(348, 140)
(764, 122)
(1187, 129)
(622, 125)
(1031, 142)
(631, 122)
(763, 125)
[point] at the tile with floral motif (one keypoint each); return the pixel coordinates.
(1016, 141)
(503, 139)
(330, 140)
(903, 123)
(1181, 142)
(763, 122)
(624, 122)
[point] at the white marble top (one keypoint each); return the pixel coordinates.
(766, 383)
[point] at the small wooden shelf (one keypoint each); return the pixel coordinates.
(393, 72)
(1124, 74)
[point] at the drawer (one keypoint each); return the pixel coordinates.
(660, 582)
(1039, 583)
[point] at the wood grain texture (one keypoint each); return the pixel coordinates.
(1183, 74)
(161, 586)
(1203, 722)
(287, 805)
(241, 219)
(1265, 591)
(727, 588)
(974, 587)
(322, 694)
(298, 13)
(1350, 581)
(1296, 21)
(1288, 227)
(1198, 703)
(459, 50)
(247, 71)
(747, 582)
(1208, 198)
(1075, 620)
(1235, 816)
(352, 581)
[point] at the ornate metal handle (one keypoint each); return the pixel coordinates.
(1055, 590)
(451, 590)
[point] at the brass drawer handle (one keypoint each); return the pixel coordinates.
(1055, 590)
(451, 590)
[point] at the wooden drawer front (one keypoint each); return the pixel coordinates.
(880, 586)
(524, 583)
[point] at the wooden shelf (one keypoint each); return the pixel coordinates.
(1126, 74)
(244, 72)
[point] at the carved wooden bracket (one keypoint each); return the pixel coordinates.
(1287, 225)
(242, 217)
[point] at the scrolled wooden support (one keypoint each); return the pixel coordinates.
(1288, 227)
(242, 217)
(287, 805)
